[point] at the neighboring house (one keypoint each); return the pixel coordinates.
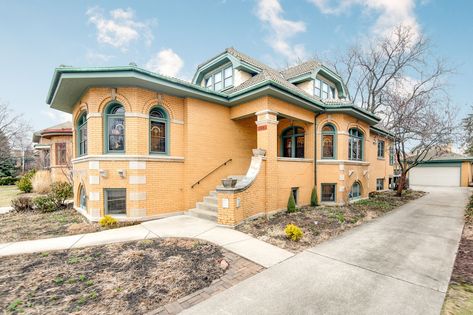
(53, 148)
(443, 169)
(147, 145)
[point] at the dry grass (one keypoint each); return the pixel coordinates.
(125, 278)
(20, 226)
(322, 223)
(41, 182)
(459, 299)
(7, 193)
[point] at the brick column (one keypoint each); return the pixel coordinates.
(267, 133)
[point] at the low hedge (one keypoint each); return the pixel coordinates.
(9, 180)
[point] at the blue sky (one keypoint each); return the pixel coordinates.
(173, 37)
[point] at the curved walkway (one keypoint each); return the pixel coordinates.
(242, 244)
(398, 264)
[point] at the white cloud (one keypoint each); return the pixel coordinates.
(281, 30)
(56, 116)
(166, 62)
(121, 29)
(390, 13)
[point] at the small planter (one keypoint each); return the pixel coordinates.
(259, 152)
(229, 182)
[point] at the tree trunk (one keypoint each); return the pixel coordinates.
(401, 183)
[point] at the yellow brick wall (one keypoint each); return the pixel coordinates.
(58, 172)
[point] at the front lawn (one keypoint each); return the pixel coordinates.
(459, 299)
(34, 224)
(7, 193)
(124, 278)
(321, 223)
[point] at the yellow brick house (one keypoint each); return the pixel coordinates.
(148, 146)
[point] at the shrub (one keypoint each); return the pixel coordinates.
(60, 192)
(291, 204)
(45, 203)
(22, 203)
(4, 181)
(41, 182)
(293, 232)
(108, 221)
(24, 184)
(314, 200)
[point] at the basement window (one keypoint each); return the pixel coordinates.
(115, 201)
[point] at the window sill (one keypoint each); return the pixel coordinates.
(381, 158)
(287, 159)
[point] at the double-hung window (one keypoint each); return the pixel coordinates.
(391, 156)
(323, 89)
(328, 141)
(355, 145)
(293, 142)
(61, 153)
(82, 134)
(158, 127)
(380, 149)
(380, 184)
(115, 201)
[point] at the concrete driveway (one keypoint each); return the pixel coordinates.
(398, 264)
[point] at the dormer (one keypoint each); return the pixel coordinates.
(316, 79)
(228, 69)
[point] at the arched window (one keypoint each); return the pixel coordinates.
(355, 144)
(328, 141)
(293, 142)
(355, 191)
(82, 198)
(82, 134)
(158, 130)
(115, 128)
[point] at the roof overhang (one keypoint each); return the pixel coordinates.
(382, 132)
(69, 84)
(355, 112)
(38, 146)
(219, 61)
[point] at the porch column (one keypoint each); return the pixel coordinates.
(267, 133)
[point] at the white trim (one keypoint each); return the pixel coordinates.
(123, 157)
(94, 165)
(89, 115)
(266, 111)
(266, 121)
(137, 180)
(94, 180)
(349, 162)
(94, 196)
(288, 159)
(177, 121)
(137, 165)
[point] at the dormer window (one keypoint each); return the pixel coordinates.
(220, 80)
(323, 89)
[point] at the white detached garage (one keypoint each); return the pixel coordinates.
(438, 174)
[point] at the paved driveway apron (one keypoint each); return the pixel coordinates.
(398, 264)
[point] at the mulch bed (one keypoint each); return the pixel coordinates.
(29, 225)
(124, 278)
(459, 299)
(323, 222)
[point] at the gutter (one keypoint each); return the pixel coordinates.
(315, 150)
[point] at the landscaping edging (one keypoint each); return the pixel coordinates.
(239, 269)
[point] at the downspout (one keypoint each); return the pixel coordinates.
(315, 150)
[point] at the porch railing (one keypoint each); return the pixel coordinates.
(212, 171)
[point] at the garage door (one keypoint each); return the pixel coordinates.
(435, 176)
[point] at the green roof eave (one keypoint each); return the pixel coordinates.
(354, 111)
(74, 81)
(275, 87)
(459, 160)
(382, 132)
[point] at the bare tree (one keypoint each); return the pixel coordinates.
(421, 119)
(467, 124)
(369, 69)
(14, 129)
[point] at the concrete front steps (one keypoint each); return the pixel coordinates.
(206, 209)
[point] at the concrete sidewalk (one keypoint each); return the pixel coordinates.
(398, 264)
(242, 244)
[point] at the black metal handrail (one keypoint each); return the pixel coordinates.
(223, 164)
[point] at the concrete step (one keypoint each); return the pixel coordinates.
(211, 200)
(207, 206)
(203, 214)
(213, 194)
